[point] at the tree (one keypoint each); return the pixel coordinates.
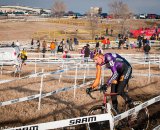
(121, 11)
(93, 24)
(58, 8)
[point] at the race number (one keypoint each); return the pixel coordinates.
(111, 63)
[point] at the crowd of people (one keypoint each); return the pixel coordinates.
(55, 46)
(66, 46)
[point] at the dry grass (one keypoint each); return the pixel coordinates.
(25, 30)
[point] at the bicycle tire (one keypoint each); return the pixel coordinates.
(103, 125)
(140, 120)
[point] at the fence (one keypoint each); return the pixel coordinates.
(90, 119)
(52, 125)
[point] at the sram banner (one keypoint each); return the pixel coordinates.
(66, 123)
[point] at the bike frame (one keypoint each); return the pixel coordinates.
(105, 101)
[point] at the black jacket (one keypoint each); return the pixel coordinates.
(147, 48)
(86, 52)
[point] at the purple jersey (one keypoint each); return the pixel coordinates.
(114, 62)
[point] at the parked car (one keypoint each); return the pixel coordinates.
(103, 15)
(151, 16)
(142, 16)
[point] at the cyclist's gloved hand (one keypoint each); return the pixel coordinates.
(103, 88)
(88, 90)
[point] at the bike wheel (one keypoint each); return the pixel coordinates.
(103, 125)
(139, 120)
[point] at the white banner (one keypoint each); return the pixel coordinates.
(65, 123)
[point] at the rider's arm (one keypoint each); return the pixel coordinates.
(114, 76)
(98, 76)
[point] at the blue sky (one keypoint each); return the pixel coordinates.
(82, 6)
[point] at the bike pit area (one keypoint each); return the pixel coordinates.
(67, 103)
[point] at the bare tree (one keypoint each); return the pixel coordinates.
(121, 11)
(58, 8)
(93, 23)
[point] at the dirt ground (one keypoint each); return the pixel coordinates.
(13, 30)
(62, 105)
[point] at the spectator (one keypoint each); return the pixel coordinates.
(82, 51)
(144, 40)
(120, 42)
(96, 37)
(62, 43)
(146, 49)
(12, 44)
(38, 45)
(86, 53)
(111, 32)
(44, 46)
(106, 31)
(139, 40)
(53, 47)
(60, 48)
(32, 43)
(56, 44)
(108, 43)
(17, 43)
(97, 44)
(75, 40)
(127, 43)
(104, 42)
(71, 44)
(23, 56)
(66, 54)
(68, 42)
(18, 66)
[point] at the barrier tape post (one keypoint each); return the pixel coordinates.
(149, 73)
(35, 67)
(41, 86)
(75, 82)
(84, 78)
(159, 62)
(48, 62)
(61, 73)
(103, 75)
(66, 66)
(88, 70)
(1, 68)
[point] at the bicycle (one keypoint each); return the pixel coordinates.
(137, 121)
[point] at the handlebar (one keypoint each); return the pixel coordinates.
(102, 88)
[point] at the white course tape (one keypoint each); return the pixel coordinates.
(40, 74)
(157, 128)
(65, 123)
(43, 95)
(88, 119)
(36, 75)
(136, 109)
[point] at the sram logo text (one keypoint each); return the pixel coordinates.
(82, 120)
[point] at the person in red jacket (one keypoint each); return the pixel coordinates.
(104, 42)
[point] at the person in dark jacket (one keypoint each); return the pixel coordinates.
(60, 48)
(86, 52)
(146, 49)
